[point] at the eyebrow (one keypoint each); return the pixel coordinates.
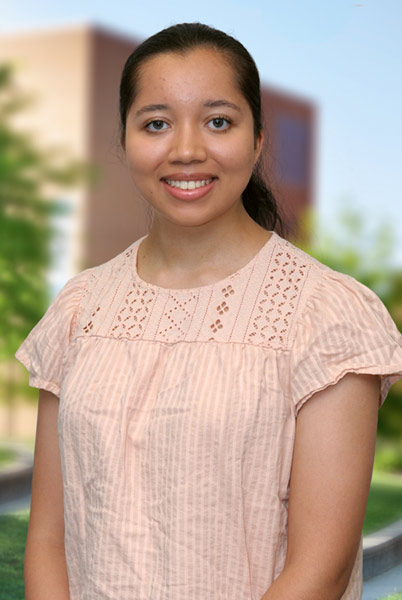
(151, 108)
(217, 103)
(209, 104)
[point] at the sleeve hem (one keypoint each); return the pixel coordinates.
(35, 380)
(41, 384)
(388, 376)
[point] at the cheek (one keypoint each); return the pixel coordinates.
(238, 157)
(141, 159)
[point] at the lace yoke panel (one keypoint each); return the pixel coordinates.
(256, 305)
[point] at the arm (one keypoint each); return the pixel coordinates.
(330, 481)
(45, 565)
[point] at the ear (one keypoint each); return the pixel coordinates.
(259, 141)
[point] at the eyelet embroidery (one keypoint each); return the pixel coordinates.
(271, 319)
(217, 325)
(134, 313)
(222, 308)
(144, 313)
(87, 328)
(176, 318)
(228, 291)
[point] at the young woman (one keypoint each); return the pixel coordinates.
(209, 397)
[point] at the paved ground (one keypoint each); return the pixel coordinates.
(22, 503)
(383, 585)
(374, 589)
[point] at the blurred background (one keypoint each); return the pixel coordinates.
(331, 93)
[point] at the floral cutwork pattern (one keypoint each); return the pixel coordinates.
(87, 328)
(278, 299)
(259, 308)
(216, 325)
(176, 318)
(222, 309)
(131, 319)
(228, 291)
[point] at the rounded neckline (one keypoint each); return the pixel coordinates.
(202, 288)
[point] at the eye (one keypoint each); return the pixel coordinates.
(219, 123)
(156, 125)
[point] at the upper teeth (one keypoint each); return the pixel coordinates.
(188, 185)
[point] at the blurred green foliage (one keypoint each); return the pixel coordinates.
(384, 504)
(388, 456)
(31, 179)
(366, 253)
(7, 455)
(25, 218)
(24, 225)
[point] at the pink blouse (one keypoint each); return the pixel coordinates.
(177, 416)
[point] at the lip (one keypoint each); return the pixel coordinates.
(189, 195)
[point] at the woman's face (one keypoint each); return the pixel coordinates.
(190, 142)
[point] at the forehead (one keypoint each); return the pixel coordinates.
(196, 73)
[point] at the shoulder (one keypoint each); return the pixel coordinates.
(318, 287)
(294, 289)
(338, 325)
(99, 279)
(286, 287)
(78, 296)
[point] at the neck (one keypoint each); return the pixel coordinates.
(175, 247)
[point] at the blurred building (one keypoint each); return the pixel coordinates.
(73, 74)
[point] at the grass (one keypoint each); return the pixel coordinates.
(13, 531)
(393, 597)
(385, 501)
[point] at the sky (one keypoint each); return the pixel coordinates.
(344, 56)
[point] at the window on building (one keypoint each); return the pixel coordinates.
(292, 135)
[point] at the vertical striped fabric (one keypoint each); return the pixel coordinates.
(177, 417)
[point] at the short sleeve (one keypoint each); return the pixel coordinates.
(43, 351)
(343, 328)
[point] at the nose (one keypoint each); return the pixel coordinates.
(188, 145)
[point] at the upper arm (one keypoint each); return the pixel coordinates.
(331, 474)
(47, 512)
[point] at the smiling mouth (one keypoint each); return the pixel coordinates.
(188, 185)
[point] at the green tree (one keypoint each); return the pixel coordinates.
(26, 210)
